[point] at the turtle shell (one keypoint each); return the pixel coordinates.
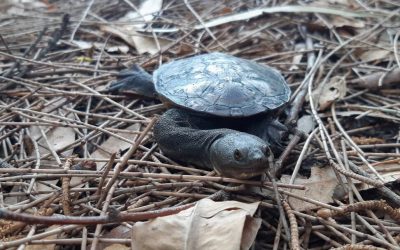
(222, 85)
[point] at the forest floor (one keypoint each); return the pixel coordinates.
(68, 147)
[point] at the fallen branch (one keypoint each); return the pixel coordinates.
(112, 217)
(378, 80)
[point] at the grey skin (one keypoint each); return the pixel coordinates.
(195, 139)
(236, 146)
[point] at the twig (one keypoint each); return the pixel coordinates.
(66, 202)
(26, 53)
(300, 94)
(294, 232)
(279, 202)
(85, 13)
(90, 220)
(360, 206)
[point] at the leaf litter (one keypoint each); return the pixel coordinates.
(70, 148)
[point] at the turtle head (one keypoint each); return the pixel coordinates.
(240, 155)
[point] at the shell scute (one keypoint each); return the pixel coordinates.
(223, 85)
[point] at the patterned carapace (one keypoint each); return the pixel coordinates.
(221, 85)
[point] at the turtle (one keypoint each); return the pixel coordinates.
(221, 111)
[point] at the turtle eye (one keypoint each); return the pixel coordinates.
(237, 154)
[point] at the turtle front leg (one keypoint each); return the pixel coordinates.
(275, 130)
(268, 129)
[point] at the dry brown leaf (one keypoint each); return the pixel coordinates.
(182, 50)
(83, 44)
(111, 49)
(119, 232)
(388, 177)
(375, 54)
(390, 172)
(391, 176)
(114, 145)
(253, 13)
(143, 44)
(45, 246)
(298, 57)
(58, 138)
(12, 199)
(114, 49)
(21, 7)
(320, 187)
(208, 225)
(339, 21)
(8, 228)
(129, 32)
(326, 94)
(378, 79)
(356, 24)
(117, 247)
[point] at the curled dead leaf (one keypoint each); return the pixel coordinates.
(375, 54)
(45, 246)
(114, 144)
(128, 31)
(119, 232)
(378, 79)
(18, 7)
(298, 57)
(326, 94)
(208, 225)
(57, 138)
(111, 49)
(320, 186)
(117, 247)
(339, 21)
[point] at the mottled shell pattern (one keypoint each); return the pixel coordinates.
(222, 85)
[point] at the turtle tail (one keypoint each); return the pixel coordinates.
(134, 80)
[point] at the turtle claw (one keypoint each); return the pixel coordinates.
(116, 86)
(273, 133)
(279, 126)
